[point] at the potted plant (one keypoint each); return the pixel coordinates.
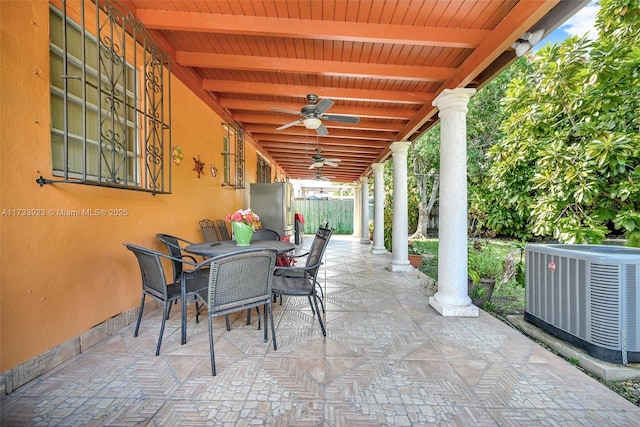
(484, 268)
(243, 224)
(415, 257)
(370, 229)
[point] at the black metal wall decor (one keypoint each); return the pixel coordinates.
(199, 166)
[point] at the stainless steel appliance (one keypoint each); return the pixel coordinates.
(273, 202)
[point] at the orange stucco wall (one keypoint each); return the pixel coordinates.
(62, 275)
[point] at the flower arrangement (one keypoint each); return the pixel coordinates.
(245, 216)
(413, 249)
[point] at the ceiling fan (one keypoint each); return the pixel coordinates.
(313, 114)
(319, 161)
(320, 177)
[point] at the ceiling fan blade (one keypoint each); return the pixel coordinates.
(329, 163)
(341, 119)
(333, 160)
(322, 130)
(323, 105)
(316, 165)
(288, 125)
(282, 110)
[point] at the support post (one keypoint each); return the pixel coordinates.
(357, 210)
(364, 230)
(400, 233)
(378, 209)
(452, 298)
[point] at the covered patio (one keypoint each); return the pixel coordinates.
(388, 359)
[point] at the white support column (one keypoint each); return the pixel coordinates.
(378, 209)
(357, 211)
(400, 233)
(364, 229)
(452, 297)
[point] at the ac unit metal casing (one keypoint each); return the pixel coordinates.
(587, 295)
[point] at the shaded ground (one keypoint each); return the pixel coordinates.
(509, 299)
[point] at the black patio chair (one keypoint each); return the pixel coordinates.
(239, 281)
(175, 248)
(209, 231)
(302, 281)
(265, 234)
(224, 231)
(155, 286)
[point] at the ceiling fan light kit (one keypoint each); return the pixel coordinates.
(312, 123)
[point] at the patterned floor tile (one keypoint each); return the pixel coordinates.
(388, 359)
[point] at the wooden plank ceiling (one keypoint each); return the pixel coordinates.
(383, 61)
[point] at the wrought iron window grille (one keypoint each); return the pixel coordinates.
(110, 101)
(233, 155)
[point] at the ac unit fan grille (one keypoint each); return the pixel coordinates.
(605, 303)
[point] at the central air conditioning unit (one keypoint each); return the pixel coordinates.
(587, 295)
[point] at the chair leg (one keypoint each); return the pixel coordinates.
(273, 327)
(226, 319)
(321, 303)
(213, 358)
(266, 332)
(166, 307)
(197, 311)
(258, 311)
(275, 298)
(311, 304)
(324, 331)
(321, 290)
(135, 334)
(248, 316)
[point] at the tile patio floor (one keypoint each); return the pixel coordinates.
(388, 359)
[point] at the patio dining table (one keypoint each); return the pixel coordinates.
(216, 249)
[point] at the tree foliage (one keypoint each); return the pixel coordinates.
(568, 166)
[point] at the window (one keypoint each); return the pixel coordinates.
(264, 170)
(233, 155)
(226, 150)
(110, 114)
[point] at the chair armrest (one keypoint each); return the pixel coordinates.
(296, 256)
(186, 242)
(198, 266)
(160, 254)
(282, 271)
(193, 262)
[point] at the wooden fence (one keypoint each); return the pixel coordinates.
(339, 215)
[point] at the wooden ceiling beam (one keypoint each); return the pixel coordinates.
(352, 153)
(266, 139)
(378, 113)
(344, 166)
(271, 89)
(300, 131)
(282, 119)
(519, 20)
(309, 29)
(313, 66)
